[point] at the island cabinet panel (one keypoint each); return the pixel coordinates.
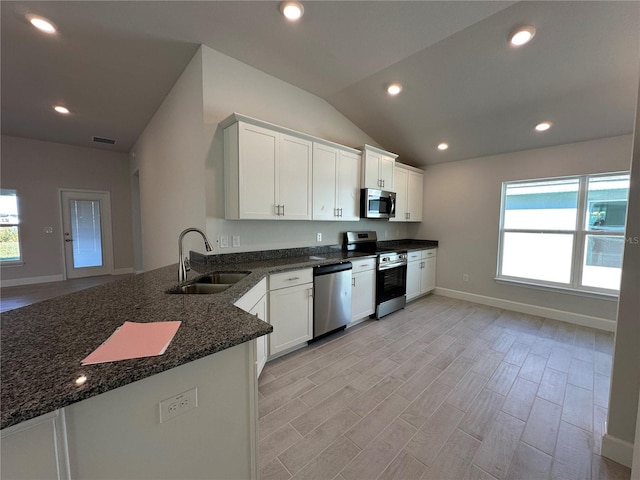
(267, 174)
(336, 191)
(117, 434)
(35, 449)
(290, 310)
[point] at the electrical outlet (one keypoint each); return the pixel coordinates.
(48, 230)
(224, 241)
(318, 237)
(465, 277)
(236, 240)
(178, 404)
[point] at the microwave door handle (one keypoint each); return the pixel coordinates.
(392, 210)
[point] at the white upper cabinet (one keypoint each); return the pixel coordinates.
(336, 191)
(378, 168)
(408, 184)
(267, 173)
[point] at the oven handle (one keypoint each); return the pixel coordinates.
(393, 265)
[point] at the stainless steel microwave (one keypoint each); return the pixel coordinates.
(377, 203)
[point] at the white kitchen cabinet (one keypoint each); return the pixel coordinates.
(255, 303)
(378, 168)
(363, 293)
(290, 309)
(36, 448)
(421, 272)
(408, 184)
(267, 173)
(336, 189)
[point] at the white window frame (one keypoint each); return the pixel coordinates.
(579, 234)
(19, 261)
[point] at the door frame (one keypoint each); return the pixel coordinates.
(107, 230)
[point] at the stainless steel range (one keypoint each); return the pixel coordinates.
(391, 271)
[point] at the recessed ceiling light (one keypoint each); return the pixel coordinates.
(543, 126)
(292, 10)
(61, 109)
(522, 35)
(394, 89)
(41, 24)
(443, 146)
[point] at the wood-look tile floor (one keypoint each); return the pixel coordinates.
(443, 389)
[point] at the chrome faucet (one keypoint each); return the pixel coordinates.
(183, 264)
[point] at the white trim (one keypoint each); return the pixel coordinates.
(123, 271)
(31, 280)
(617, 450)
(601, 295)
(562, 315)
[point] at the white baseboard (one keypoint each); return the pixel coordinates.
(123, 271)
(31, 280)
(617, 450)
(562, 315)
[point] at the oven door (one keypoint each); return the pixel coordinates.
(377, 203)
(391, 283)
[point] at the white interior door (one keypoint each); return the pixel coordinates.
(86, 223)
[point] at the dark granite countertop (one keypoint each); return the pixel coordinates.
(43, 344)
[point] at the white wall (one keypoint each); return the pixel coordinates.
(179, 158)
(169, 160)
(37, 169)
(625, 379)
(462, 211)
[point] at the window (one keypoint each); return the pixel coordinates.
(9, 227)
(564, 232)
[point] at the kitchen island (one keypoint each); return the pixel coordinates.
(106, 425)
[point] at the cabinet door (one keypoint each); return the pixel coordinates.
(413, 279)
(260, 311)
(293, 184)
(348, 186)
(428, 274)
(386, 172)
(363, 295)
(258, 150)
(414, 196)
(401, 195)
(371, 170)
(36, 448)
(325, 160)
(291, 315)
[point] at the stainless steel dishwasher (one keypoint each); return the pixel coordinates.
(331, 297)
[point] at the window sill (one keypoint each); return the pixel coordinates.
(11, 264)
(613, 297)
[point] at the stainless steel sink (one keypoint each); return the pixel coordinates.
(202, 288)
(225, 278)
(211, 283)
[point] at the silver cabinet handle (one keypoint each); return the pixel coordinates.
(293, 278)
(283, 209)
(340, 212)
(353, 281)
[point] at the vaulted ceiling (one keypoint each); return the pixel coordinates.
(114, 62)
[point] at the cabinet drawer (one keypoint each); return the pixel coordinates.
(414, 255)
(289, 279)
(432, 252)
(363, 265)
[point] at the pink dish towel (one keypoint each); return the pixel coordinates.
(134, 340)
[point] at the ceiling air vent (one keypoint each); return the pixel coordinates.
(104, 140)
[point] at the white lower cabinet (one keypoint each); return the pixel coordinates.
(421, 272)
(36, 448)
(290, 309)
(363, 293)
(255, 303)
